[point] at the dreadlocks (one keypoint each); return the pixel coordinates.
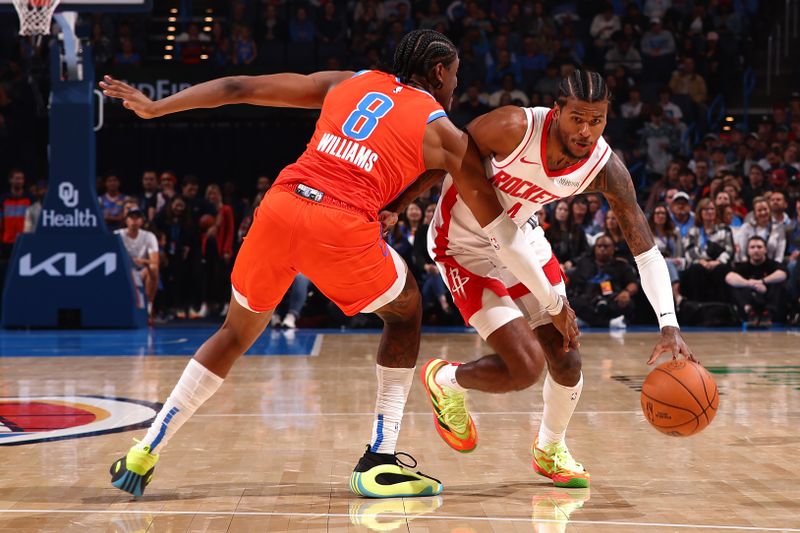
(419, 51)
(586, 86)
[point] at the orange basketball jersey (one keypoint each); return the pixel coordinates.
(367, 147)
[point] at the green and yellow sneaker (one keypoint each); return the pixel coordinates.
(555, 462)
(450, 415)
(134, 472)
(383, 475)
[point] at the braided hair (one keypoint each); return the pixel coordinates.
(585, 85)
(419, 51)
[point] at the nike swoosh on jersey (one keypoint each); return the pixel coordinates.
(523, 160)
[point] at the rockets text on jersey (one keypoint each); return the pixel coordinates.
(523, 183)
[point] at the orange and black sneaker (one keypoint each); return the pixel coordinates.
(450, 415)
(555, 462)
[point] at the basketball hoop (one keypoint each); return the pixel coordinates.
(35, 16)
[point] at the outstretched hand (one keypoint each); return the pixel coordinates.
(672, 342)
(132, 99)
(566, 322)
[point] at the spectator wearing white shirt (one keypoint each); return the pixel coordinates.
(38, 192)
(604, 25)
(623, 54)
(657, 42)
(193, 34)
(142, 246)
(633, 107)
(672, 113)
(656, 8)
(761, 225)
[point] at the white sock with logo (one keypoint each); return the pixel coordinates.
(559, 404)
(196, 385)
(446, 377)
(393, 387)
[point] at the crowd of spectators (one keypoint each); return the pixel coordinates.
(709, 193)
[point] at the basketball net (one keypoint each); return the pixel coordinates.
(35, 16)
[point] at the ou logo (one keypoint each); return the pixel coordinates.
(68, 194)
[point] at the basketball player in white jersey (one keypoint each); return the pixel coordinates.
(533, 156)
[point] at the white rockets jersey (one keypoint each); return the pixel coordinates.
(523, 185)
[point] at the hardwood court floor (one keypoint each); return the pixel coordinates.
(272, 451)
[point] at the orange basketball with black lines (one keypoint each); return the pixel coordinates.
(679, 398)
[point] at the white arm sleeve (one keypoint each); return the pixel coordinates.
(516, 254)
(657, 286)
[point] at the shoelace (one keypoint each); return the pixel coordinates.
(563, 458)
(412, 466)
(454, 412)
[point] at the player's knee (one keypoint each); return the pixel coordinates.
(237, 334)
(233, 342)
(529, 373)
(406, 308)
(567, 365)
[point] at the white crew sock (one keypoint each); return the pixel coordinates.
(559, 404)
(446, 377)
(197, 384)
(393, 387)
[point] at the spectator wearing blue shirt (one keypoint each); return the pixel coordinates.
(244, 51)
(112, 203)
(301, 29)
(127, 56)
(680, 208)
(532, 61)
(657, 42)
(404, 17)
(505, 65)
(501, 43)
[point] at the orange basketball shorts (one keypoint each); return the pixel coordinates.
(340, 250)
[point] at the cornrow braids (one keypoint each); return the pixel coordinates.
(419, 51)
(585, 85)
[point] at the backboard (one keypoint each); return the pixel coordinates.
(111, 6)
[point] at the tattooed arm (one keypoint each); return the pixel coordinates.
(614, 181)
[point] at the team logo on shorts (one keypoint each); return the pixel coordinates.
(457, 283)
(25, 420)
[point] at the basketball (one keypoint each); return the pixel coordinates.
(206, 221)
(679, 398)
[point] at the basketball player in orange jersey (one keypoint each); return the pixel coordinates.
(533, 156)
(376, 133)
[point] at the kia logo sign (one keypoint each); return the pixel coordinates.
(50, 266)
(68, 194)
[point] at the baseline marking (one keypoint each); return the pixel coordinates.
(415, 517)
